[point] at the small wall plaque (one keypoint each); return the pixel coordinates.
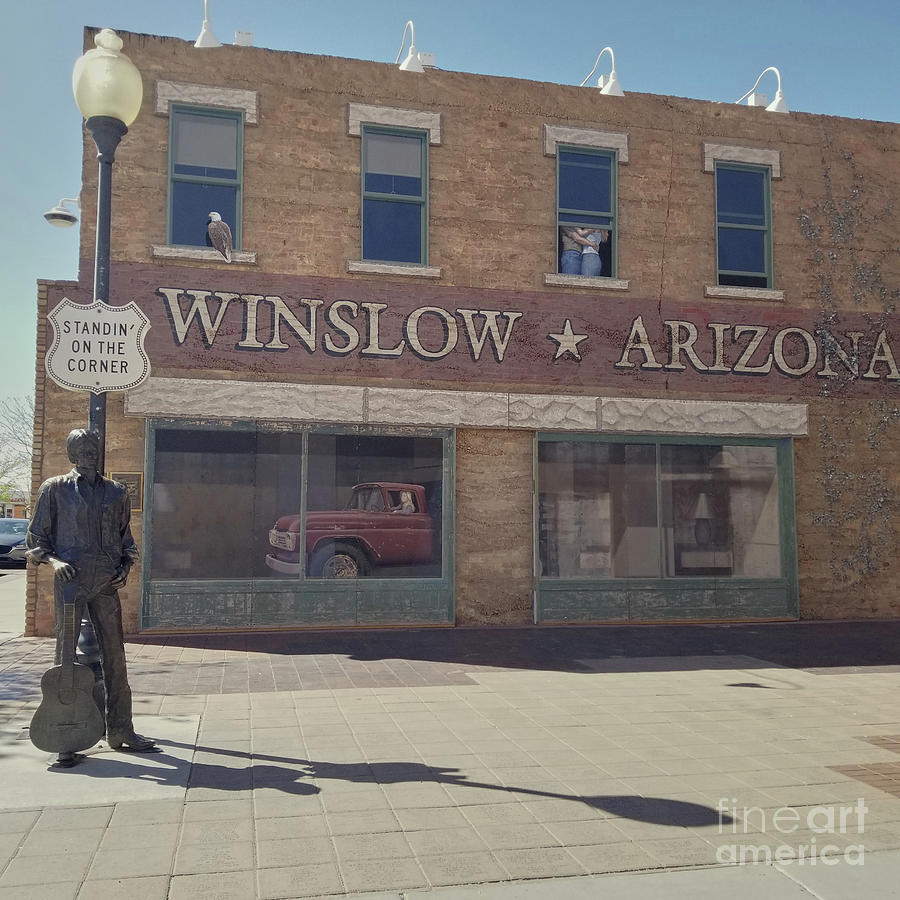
(134, 481)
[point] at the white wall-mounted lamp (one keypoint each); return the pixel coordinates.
(412, 63)
(754, 99)
(206, 37)
(60, 216)
(608, 84)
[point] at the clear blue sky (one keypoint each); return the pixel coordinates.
(836, 58)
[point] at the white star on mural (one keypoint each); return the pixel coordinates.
(568, 341)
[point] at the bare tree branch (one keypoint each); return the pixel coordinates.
(16, 432)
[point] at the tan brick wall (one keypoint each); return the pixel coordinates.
(494, 544)
(848, 516)
(37, 454)
(492, 190)
(492, 225)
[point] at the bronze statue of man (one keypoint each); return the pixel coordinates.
(81, 526)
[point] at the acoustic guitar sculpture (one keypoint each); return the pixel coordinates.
(68, 718)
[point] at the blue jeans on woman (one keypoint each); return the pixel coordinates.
(590, 259)
(590, 263)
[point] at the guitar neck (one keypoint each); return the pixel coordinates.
(67, 657)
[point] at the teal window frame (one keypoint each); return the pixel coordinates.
(572, 216)
(673, 597)
(732, 274)
(421, 200)
(174, 178)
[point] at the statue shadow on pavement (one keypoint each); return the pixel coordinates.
(287, 774)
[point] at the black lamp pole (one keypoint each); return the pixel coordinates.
(107, 132)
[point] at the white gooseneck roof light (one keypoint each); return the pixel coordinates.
(608, 84)
(412, 63)
(777, 105)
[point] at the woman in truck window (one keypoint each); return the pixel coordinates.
(406, 504)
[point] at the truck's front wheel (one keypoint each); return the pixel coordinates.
(339, 561)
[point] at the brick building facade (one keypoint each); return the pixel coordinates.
(705, 431)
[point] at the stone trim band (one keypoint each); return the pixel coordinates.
(293, 402)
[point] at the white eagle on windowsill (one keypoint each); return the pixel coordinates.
(219, 235)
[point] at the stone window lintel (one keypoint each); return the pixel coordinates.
(586, 137)
(169, 92)
(754, 156)
(359, 114)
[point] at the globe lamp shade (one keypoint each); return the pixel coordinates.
(106, 82)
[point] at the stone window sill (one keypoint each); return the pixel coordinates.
(201, 254)
(598, 283)
(743, 293)
(361, 266)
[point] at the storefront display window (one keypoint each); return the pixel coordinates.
(656, 509)
(228, 504)
(256, 525)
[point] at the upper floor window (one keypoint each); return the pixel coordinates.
(743, 225)
(395, 195)
(586, 210)
(205, 163)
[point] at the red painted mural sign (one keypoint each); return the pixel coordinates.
(246, 322)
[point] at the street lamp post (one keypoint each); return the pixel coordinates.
(108, 90)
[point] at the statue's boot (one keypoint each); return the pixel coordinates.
(67, 760)
(131, 742)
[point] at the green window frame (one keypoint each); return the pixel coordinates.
(743, 225)
(193, 188)
(574, 168)
(394, 203)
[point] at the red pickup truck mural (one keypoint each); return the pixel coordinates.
(385, 523)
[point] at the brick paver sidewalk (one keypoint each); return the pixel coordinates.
(305, 765)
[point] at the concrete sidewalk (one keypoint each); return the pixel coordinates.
(492, 764)
(876, 879)
(12, 603)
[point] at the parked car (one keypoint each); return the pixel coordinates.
(12, 541)
(384, 523)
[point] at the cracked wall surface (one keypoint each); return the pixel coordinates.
(848, 497)
(847, 511)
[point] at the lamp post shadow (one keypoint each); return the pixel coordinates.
(287, 774)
